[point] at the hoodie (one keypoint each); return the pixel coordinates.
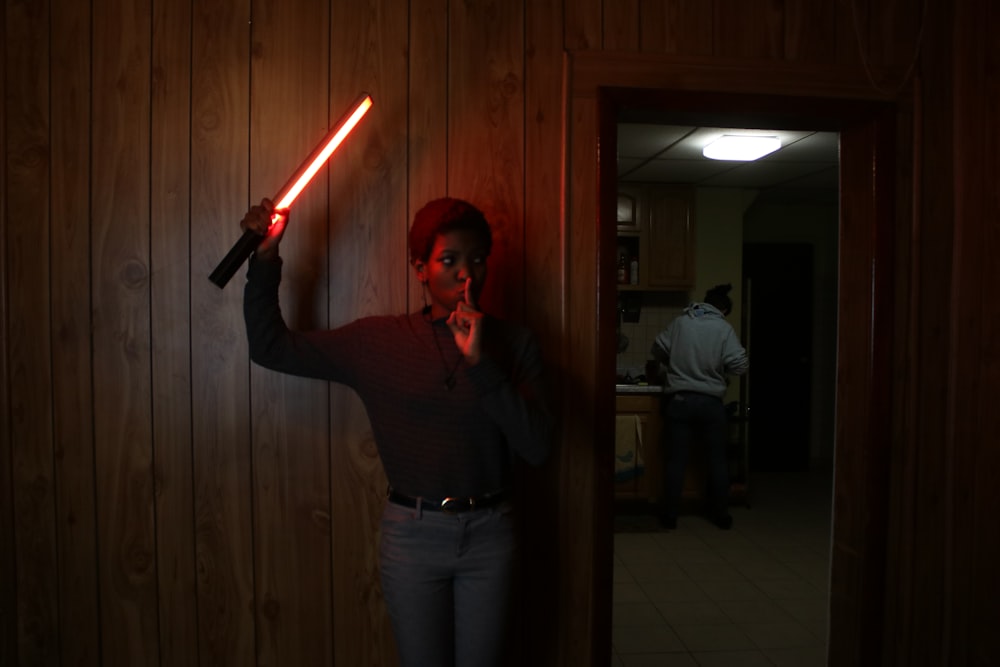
(700, 349)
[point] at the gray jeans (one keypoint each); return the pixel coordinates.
(446, 580)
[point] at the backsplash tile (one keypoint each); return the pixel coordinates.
(658, 310)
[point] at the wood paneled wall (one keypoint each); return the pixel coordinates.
(164, 502)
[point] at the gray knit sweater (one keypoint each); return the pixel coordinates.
(434, 441)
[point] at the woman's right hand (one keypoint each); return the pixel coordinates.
(270, 223)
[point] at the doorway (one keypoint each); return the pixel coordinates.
(778, 335)
(867, 123)
(660, 575)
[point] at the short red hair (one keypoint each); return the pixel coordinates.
(440, 216)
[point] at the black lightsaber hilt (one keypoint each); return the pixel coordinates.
(234, 259)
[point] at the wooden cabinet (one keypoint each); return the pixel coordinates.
(644, 482)
(670, 238)
(640, 478)
(656, 226)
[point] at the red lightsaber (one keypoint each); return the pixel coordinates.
(295, 185)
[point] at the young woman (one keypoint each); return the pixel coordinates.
(452, 394)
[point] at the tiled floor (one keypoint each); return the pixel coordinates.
(754, 595)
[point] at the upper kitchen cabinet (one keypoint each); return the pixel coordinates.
(656, 234)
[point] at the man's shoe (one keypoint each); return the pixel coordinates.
(724, 522)
(668, 522)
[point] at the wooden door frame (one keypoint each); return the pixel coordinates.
(874, 131)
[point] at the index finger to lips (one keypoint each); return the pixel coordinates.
(468, 293)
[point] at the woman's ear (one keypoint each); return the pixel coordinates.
(420, 268)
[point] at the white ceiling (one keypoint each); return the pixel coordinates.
(804, 168)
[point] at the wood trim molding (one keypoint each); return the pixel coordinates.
(836, 97)
(591, 70)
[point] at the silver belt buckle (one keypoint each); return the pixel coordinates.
(451, 505)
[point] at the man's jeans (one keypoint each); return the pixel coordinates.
(446, 580)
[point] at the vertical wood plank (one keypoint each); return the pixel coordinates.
(170, 261)
(8, 569)
(621, 25)
(972, 625)
(535, 633)
(70, 307)
(934, 447)
(681, 27)
(544, 172)
(811, 31)
(582, 25)
(8, 573)
(427, 126)
(28, 173)
(927, 491)
(121, 324)
(486, 136)
(749, 29)
(220, 110)
(288, 117)
(851, 31)
(887, 34)
(896, 28)
(369, 274)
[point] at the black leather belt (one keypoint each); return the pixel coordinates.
(449, 505)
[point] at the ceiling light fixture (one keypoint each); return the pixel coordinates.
(741, 147)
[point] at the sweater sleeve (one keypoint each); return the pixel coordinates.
(734, 359)
(515, 399)
(660, 349)
(312, 354)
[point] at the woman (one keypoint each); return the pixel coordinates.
(700, 350)
(451, 394)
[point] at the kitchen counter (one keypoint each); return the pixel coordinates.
(638, 389)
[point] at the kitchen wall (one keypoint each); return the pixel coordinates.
(658, 309)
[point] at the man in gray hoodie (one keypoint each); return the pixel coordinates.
(700, 351)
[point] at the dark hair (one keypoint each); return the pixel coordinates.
(441, 216)
(718, 296)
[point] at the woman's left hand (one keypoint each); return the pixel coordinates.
(465, 323)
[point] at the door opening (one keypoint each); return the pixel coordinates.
(865, 269)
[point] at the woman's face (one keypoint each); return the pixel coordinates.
(455, 257)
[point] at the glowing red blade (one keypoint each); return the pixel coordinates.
(245, 246)
(324, 151)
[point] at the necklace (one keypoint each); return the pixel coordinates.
(449, 378)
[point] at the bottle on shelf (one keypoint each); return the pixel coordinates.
(622, 270)
(633, 276)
